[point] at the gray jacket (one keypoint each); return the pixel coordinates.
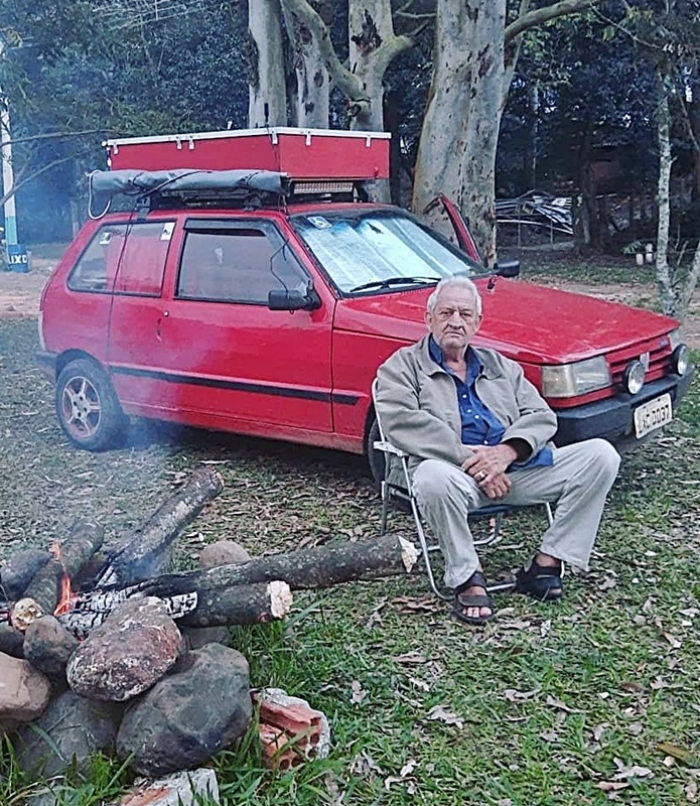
(419, 411)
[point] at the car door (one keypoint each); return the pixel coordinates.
(457, 228)
(219, 356)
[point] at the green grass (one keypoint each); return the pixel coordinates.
(543, 707)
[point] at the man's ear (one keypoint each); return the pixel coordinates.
(427, 318)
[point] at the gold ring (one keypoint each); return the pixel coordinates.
(481, 475)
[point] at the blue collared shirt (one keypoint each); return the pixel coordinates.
(479, 425)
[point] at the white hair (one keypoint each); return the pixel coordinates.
(458, 281)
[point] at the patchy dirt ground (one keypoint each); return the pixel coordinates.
(20, 294)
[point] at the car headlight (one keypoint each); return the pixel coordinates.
(569, 380)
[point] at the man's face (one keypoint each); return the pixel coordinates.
(454, 320)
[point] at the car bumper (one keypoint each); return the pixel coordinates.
(613, 418)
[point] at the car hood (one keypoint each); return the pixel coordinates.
(527, 322)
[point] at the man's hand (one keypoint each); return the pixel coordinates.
(487, 466)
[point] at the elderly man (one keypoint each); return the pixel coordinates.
(478, 432)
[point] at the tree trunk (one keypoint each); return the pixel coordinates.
(312, 96)
(267, 98)
(457, 153)
(694, 119)
(533, 96)
(690, 284)
(584, 208)
(146, 551)
(474, 61)
(664, 275)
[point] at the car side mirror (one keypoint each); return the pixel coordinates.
(507, 268)
(294, 300)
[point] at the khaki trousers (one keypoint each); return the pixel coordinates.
(578, 483)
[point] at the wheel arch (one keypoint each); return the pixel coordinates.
(75, 355)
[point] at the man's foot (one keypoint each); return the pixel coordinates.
(472, 602)
(541, 578)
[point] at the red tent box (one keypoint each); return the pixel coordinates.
(305, 154)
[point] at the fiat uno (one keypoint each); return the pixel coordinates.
(248, 287)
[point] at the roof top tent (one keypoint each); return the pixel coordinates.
(304, 154)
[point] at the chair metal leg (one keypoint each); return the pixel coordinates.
(385, 508)
(495, 535)
(548, 510)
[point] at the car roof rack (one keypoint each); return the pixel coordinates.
(202, 189)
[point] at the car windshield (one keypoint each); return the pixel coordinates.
(379, 250)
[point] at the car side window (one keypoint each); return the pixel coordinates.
(237, 264)
(128, 258)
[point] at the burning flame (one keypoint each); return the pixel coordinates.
(67, 598)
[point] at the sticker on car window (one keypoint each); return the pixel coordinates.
(167, 232)
(320, 222)
(105, 238)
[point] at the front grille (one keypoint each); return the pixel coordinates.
(659, 349)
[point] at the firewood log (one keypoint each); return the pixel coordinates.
(241, 604)
(306, 568)
(146, 551)
(84, 540)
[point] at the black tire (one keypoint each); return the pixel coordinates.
(88, 408)
(375, 458)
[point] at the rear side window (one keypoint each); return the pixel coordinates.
(228, 263)
(127, 258)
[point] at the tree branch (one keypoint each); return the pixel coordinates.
(25, 180)
(539, 16)
(59, 135)
(346, 81)
(691, 282)
(407, 15)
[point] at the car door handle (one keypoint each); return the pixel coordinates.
(159, 322)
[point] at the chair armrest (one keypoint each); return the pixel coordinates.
(387, 447)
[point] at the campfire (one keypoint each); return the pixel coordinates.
(103, 648)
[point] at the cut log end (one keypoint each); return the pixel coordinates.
(409, 554)
(25, 612)
(280, 598)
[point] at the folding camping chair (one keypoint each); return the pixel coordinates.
(404, 493)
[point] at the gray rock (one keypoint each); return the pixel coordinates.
(18, 571)
(11, 641)
(197, 637)
(69, 732)
(24, 691)
(223, 552)
(48, 646)
(127, 654)
(189, 715)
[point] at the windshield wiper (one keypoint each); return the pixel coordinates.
(394, 281)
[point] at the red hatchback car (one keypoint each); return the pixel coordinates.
(256, 303)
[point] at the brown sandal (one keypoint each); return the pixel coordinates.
(463, 601)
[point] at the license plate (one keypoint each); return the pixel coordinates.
(652, 415)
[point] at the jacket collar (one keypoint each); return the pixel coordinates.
(489, 367)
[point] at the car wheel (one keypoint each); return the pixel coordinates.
(87, 406)
(375, 458)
